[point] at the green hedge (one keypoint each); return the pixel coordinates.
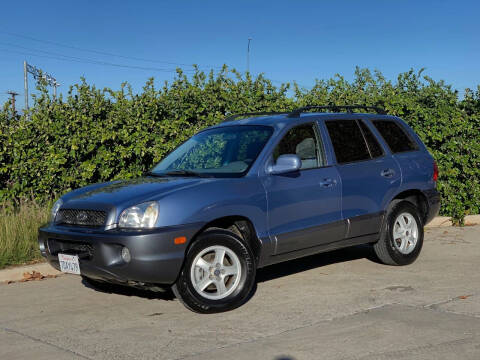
(94, 135)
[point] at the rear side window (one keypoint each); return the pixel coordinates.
(395, 137)
(373, 145)
(347, 141)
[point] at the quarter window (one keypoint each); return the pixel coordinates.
(395, 137)
(347, 140)
(301, 141)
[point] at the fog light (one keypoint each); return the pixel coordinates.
(126, 255)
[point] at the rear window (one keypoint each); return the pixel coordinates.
(395, 137)
(347, 141)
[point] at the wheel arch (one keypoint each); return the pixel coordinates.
(238, 224)
(414, 196)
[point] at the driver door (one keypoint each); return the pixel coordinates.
(304, 207)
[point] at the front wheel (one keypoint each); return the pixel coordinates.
(401, 238)
(218, 274)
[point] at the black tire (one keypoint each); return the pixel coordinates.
(385, 248)
(184, 289)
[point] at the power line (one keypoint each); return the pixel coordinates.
(34, 55)
(279, 81)
(57, 56)
(98, 52)
(142, 68)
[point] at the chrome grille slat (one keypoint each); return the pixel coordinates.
(81, 217)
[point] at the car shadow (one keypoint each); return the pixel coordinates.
(306, 263)
(316, 261)
(268, 273)
(167, 294)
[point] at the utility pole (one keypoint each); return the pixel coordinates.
(37, 74)
(248, 55)
(25, 84)
(13, 94)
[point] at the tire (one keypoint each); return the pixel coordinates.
(393, 248)
(197, 274)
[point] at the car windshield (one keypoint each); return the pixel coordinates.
(220, 152)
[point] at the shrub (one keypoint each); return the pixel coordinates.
(94, 135)
(18, 232)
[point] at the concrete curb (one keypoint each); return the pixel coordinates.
(440, 221)
(16, 273)
(443, 221)
(472, 219)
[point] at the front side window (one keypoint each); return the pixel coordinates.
(224, 151)
(302, 141)
(347, 140)
(395, 137)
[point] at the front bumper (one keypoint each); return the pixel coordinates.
(155, 259)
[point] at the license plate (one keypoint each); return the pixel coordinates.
(69, 264)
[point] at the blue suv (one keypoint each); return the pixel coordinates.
(255, 190)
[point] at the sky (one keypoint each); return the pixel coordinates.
(291, 40)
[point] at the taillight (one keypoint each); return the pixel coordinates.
(435, 171)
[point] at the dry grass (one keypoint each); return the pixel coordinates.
(18, 232)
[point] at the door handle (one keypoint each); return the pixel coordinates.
(388, 173)
(327, 182)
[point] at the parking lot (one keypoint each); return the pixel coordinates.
(339, 305)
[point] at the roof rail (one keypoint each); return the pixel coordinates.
(335, 108)
(245, 115)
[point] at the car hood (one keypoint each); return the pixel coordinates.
(128, 192)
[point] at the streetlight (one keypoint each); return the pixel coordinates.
(248, 55)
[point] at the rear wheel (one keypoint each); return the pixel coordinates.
(401, 238)
(218, 275)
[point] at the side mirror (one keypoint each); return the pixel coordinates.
(285, 164)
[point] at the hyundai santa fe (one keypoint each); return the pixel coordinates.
(252, 191)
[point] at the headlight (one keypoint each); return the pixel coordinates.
(58, 204)
(139, 216)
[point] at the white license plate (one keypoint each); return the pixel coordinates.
(69, 264)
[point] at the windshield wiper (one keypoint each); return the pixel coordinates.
(183, 173)
(154, 174)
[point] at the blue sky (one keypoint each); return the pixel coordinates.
(292, 40)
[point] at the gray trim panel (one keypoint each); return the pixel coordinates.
(309, 237)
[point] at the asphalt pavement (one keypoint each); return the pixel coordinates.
(338, 305)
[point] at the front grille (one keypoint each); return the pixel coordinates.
(81, 217)
(83, 250)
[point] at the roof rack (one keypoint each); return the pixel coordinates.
(245, 115)
(335, 108)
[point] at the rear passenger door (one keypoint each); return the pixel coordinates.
(369, 175)
(416, 165)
